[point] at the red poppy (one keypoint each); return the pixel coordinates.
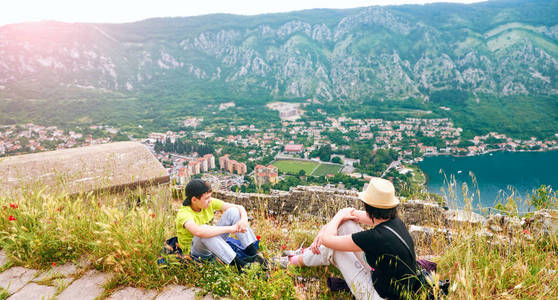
(258, 237)
(14, 205)
(153, 215)
(11, 218)
(53, 264)
(525, 231)
(284, 247)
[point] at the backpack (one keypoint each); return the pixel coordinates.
(424, 271)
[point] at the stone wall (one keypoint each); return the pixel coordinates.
(325, 202)
(421, 215)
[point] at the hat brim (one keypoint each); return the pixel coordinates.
(395, 202)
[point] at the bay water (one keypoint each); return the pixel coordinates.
(491, 178)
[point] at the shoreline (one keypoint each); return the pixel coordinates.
(488, 152)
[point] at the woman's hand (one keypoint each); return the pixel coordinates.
(347, 213)
(316, 243)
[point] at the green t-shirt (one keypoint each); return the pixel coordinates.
(185, 213)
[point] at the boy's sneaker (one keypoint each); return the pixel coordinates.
(282, 261)
(262, 261)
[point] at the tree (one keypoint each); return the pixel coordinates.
(336, 160)
(324, 153)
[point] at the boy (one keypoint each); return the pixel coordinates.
(201, 239)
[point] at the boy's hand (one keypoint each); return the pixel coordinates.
(235, 228)
(243, 225)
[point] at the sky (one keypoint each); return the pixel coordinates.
(122, 11)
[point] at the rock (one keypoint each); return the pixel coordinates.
(424, 236)
(495, 228)
(496, 219)
(89, 286)
(130, 293)
(545, 223)
(420, 234)
(515, 224)
(15, 278)
(34, 291)
(459, 218)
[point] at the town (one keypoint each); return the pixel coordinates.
(240, 153)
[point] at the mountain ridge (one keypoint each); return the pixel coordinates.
(385, 53)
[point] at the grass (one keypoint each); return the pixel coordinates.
(325, 169)
(4, 294)
(294, 166)
(124, 233)
(310, 167)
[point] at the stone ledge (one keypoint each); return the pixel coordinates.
(88, 287)
(15, 278)
(34, 291)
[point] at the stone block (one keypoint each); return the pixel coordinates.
(498, 223)
(418, 212)
(87, 287)
(65, 270)
(177, 292)
(15, 278)
(130, 293)
(34, 291)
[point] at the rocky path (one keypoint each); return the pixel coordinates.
(76, 281)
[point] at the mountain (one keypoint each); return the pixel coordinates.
(390, 52)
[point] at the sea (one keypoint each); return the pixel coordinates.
(490, 178)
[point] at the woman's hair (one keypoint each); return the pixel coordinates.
(195, 188)
(381, 213)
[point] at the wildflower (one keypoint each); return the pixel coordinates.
(258, 237)
(11, 218)
(284, 247)
(54, 264)
(14, 206)
(525, 231)
(153, 215)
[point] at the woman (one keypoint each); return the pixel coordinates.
(375, 263)
(200, 238)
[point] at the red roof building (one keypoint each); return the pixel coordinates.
(294, 148)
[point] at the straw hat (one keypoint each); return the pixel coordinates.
(380, 193)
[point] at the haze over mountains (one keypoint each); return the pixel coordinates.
(394, 52)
